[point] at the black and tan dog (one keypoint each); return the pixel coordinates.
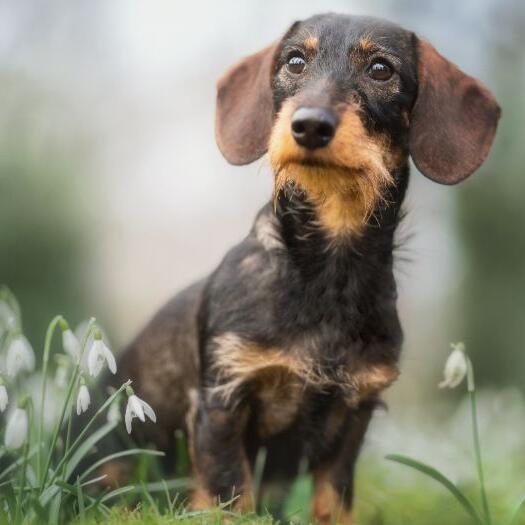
(289, 342)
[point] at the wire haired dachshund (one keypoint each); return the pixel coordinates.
(289, 343)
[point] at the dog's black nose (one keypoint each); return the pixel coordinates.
(313, 127)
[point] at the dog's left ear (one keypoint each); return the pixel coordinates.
(244, 114)
(453, 120)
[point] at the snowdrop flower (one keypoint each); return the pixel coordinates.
(83, 398)
(4, 399)
(70, 344)
(456, 367)
(7, 318)
(20, 356)
(136, 407)
(98, 354)
(16, 429)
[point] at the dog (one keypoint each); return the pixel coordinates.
(289, 343)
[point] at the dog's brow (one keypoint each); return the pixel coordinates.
(311, 43)
(368, 46)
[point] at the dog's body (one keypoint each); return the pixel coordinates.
(289, 343)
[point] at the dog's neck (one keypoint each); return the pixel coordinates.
(312, 246)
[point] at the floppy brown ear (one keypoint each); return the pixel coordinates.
(244, 114)
(453, 121)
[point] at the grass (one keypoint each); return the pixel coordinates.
(38, 483)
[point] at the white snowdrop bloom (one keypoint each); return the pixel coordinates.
(16, 429)
(455, 368)
(83, 399)
(70, 344)
(20, 356)
(99, 354)
(136, 407)
(7, 318)
(4, 398)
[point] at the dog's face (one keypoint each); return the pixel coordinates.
(340, 102)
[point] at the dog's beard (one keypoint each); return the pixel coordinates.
(346, 181)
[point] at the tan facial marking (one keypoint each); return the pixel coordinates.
(311, 43)
(327, 505)
(350, 175)
(366, 44)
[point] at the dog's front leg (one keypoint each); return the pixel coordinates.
(334, 479)
(221, 469)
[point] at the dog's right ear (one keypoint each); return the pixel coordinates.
(453, 121)
(244, 114)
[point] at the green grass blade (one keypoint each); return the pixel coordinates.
(38, 510)
(86, 447)
(147, 496)
(54, 514)
(67, 487)
(17, 463)
(258, 471)
(45, 361)
(117, 455)
(517, 513)
(92, 481)
(80, 501)
(159, 486)
(440, 478)
(117, 492)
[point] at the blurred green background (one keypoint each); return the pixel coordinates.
(113, 194)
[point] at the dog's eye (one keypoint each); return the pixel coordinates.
(380, 71)
(296, 64)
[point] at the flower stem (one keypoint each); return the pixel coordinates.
(68, 436)
(68, 453)
(477, 446)
(23, 476)
(72, 383)
(45, 360)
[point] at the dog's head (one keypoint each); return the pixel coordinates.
(340, 102)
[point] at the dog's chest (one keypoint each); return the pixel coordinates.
(283, 394)
(278, 397)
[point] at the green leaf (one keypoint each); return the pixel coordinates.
(9, 496)
(67, 487)
(145, 493)
(159, 486)
(54, 514)
(38, 510)
(80, 501)
(440, 478)
(517, 513)
(117, 492)
(86, 447)
(117, 455)
(92, 480)
(17, 463)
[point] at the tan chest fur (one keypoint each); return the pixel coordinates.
(278, 379)
(278, 398)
